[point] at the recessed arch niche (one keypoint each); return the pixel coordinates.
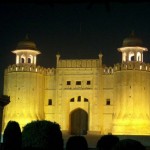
(78, 122)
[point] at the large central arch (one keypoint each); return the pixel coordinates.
(78, 122)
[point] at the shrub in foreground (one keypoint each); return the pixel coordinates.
(42, 135)
(12, 136)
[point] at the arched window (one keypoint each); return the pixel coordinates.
(22, 60)
(131, 56)
(29, 60)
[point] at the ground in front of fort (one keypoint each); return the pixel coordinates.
(93, 138)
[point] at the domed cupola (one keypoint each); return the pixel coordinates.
(26, 44)
(132, 49)
(26, 52)
(132, 40)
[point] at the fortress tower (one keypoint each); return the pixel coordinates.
(23, 83)
(131, 90)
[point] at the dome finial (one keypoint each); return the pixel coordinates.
(27, 36)
(26, 44)
(132, 40)
(132, 33)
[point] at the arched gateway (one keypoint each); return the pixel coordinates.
(78, 122)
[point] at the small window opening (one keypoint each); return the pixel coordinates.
(79, 98)
(78, 82)
(72, 100)
(68, 82)
(85, 100)
(50, 102)
(107, 101)
(132, 58)
(88, 82)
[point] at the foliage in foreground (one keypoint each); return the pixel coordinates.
(12, 138)
(42, 135)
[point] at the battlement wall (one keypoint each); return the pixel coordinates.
(108, 70)
(76, 63)
(127, 66)
(29, 68)
(132, 66)
(50, 71)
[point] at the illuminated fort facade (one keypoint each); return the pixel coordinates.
(82, 95)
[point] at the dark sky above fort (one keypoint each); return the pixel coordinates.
(75, 30)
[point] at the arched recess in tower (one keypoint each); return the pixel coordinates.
(78, 122)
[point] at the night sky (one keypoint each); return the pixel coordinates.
(75, 30)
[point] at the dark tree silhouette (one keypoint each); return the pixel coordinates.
(129, 144)
(42, 135)
(12, 138)
(107, 142)
(77, 143)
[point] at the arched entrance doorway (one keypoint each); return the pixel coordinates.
(79, 122)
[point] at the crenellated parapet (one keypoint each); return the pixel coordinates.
(132, 66)
(50, 71)
(25, 68)
(108, 70)
(76, 63)
(127, 66)
(30, 68)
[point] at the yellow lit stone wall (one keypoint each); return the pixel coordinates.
(73, 71)
(108, 108)
(115, 99)
(25, 89)
(131, 95)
